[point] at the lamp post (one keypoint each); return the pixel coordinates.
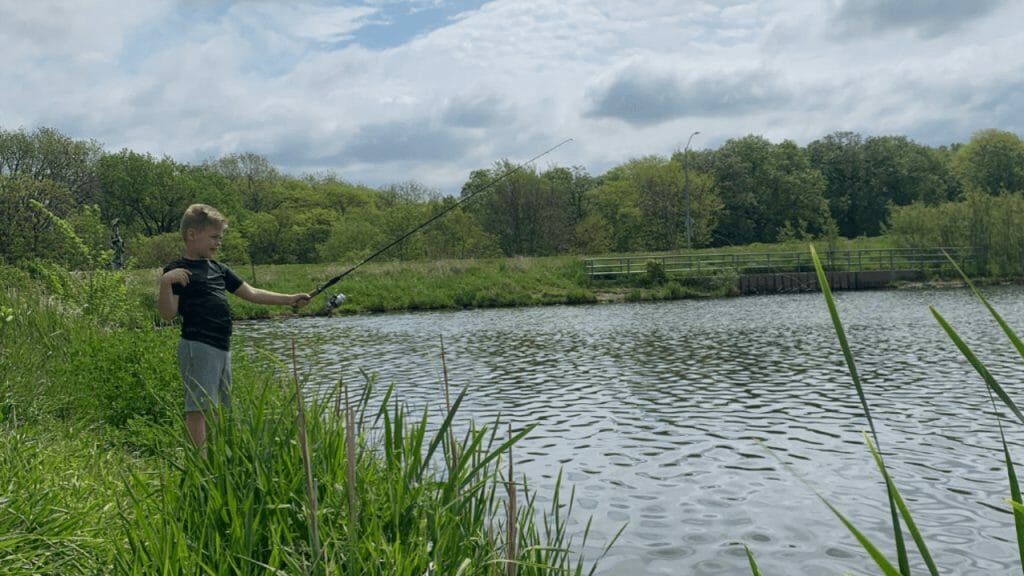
(686, 187)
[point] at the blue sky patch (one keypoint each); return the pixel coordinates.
(400, 22)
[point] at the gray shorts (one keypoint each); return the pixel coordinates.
(205, 374)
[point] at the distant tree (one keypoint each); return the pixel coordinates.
(264, 234)
(457, 234)
(899, 173)
(253, 178)
(660, 183)
(989, 224)
(643, 203)
(570, 186)
(993, 162)
(705, 204)
(302, 232)
(353, 236)
(519, 210)
(615, 223)
(409, 192)
(840, 158)
(329, 191)
(46, 154)
(147, 195)
(766, 189)
(204, 185)
(594, 235)
(29, 232)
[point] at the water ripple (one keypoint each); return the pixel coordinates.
(704, 424)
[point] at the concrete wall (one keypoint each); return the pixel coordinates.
(780, 283)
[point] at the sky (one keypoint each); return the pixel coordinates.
(382, 92)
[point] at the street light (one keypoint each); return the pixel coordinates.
(686, 187)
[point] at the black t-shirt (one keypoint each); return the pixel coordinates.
(203, 304)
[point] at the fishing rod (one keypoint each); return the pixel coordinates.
(338, 299)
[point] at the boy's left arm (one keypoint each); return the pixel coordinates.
(260, 296)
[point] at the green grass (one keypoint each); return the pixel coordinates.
(97, 475)
(399, 286)
(384, 286)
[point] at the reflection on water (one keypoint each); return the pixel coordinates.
(666, 416)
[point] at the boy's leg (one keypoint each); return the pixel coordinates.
(195, 422)
(206, 376)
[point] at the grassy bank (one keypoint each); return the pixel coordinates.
(97, 475)
(486, 283)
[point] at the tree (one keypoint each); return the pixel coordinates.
(328, 191)
(766, 189)
(264, 234)
(993, 162)
(593, 235)
(147, 195)
(570, 185)
(46, 154)
(615, 222)
(519, 210)
(353, 236)
(840, 158)
(643, 204)
(253, 179)
(457, 234)
(899, 172)
(29, 231)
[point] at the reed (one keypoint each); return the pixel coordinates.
(898, 507)
(99, 477)
(241, 509)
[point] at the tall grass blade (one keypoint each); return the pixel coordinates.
(999, 319)
(441, 433)
(350, 465)
(513, 521)
(887, 568)
(993, 386)
(307, 468)
(753, 564)
(1015, 496)
(901, 548)
(904, 510)
(453, 461)
(976, 363)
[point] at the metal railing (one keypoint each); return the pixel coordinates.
(707, 264)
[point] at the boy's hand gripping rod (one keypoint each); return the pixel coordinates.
(483, 188)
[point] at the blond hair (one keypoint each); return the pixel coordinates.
(199, 217)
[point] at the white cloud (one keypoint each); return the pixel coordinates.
(503, 79)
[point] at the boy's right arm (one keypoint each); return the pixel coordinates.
(167, 302)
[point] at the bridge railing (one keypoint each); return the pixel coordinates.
(706, 264)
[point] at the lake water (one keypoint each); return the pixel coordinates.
(706, 425)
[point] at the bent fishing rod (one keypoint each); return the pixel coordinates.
(336, 300)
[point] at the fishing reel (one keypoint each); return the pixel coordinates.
(334, 301)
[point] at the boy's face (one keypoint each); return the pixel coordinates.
(204, 243)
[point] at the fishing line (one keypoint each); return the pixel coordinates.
(337, 299)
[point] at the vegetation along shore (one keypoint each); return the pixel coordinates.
(97, 475)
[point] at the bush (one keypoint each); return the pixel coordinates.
(655, 274)
(154, 251)
(118, 379)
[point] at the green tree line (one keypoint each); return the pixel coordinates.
(64, 199)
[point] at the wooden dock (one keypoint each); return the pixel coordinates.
(777, 272)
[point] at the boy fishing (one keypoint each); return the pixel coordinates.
(194, 287)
